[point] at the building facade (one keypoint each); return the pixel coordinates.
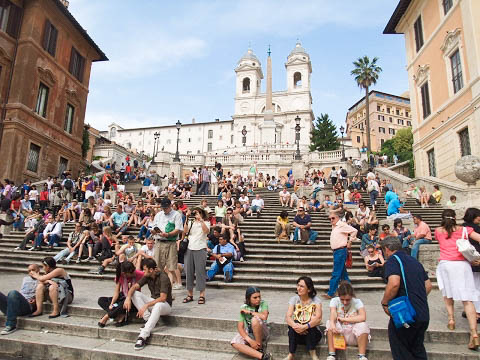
(388, 114)
(45, 63)
(250, 109)
(442, 41)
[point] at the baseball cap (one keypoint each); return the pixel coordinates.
(165, 203)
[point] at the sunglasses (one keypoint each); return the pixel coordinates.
(331, 218)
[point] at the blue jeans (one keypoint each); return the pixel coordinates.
(39, 240)
(14, 305)
(255, 208)
(64, 253)
(204, 188)
(53, 240)
(18, 224)
(373, 197)
(339, 272)
(227, 269)
(144, 231)
(416, 246)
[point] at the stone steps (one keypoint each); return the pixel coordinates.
(182, 337)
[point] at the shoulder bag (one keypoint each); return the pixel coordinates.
(401, 309)
(184, 243)
(466, 249)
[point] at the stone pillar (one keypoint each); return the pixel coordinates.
(176, 168)
(298, 169)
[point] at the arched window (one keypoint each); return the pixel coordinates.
(113, 132)
(297, 79)
(246, 85)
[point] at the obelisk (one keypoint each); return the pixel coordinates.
(268, 126)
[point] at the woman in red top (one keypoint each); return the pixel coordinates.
(454, 273)
(44, 197)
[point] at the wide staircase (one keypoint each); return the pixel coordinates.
(192, 335)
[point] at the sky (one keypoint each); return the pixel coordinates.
(175, 60)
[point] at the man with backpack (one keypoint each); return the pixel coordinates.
(68, 188)
(223, 253)
(407, 278)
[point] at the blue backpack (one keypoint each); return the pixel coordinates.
(401, 309)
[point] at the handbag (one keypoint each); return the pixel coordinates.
(349, 260)
(184, 243)
(401, 309)
(466, 248)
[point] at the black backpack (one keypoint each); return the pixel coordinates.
(343, 173)
(68, 184)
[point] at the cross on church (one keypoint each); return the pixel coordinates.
(269, 52)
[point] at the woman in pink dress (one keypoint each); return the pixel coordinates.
(454, 273)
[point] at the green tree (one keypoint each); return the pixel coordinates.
(402, 145)
(85, 141)
(324, 135)
(366, 74)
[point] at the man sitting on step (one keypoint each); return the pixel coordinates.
(257, 206)
(224, 253)
(303, 232)
(150, 308)
(19, 303)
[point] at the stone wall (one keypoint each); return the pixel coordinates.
(428, 255)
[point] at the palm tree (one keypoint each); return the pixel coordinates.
(366, 74)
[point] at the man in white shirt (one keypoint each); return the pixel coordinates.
(257, 206)
(213, 182)
(53, 233)
(284, 197)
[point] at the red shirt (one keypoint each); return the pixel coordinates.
(128, 169)
(44, 195)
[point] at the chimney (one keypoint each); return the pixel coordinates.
(65, 3)
(193, 120)
(217, 120)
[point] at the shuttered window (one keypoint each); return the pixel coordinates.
(432, 168)
(50, 38)
(42, 100)
(457, 77)
(33, 156)
(418, 33)
(465, 142)
(68, 127)
(425, 100)
(77, 64)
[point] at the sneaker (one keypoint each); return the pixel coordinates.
(258, 215)
(77, 261)
(267, 356)
(90, 258)
(17, 248)
(331, 357)
(242, 259)
(140, 344)
(177, 287)
(363, 357)
(8, 330)
(228, 278)
(32, 248)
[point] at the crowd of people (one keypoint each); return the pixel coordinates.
(173, 238)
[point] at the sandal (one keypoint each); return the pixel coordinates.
(201, 300)
(188, 299)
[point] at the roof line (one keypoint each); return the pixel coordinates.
(380, 92)
(82, 31)
(173, 125)
(397, 15)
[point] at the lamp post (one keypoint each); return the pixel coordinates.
(244, 134)
(342, 130)
(156, 136)
(297, 138)
(178, 125)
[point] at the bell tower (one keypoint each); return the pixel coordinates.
(299, 69)
(249, 75)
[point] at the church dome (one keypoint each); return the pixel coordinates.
(298, 50)
(250, 57)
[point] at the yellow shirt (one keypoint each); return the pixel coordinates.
(437, 195)
(282, 220)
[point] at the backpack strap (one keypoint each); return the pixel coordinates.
(403, 274)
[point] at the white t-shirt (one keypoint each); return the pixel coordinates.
(285, 194)
(213, 177)
(374, 185)
(351, 310)
(197, 239)
(33, 195)
(258, 202)
(243, 199)
(347, 196)
(147, 251)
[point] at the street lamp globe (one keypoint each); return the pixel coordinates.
(178, 125)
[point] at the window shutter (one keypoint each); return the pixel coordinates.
(14, 20)
(46, 34)
(81, 67)
(53, 41)
(72, 60)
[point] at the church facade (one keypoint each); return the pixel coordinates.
(268, 118)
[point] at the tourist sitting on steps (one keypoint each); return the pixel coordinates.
(252, 327)
(282, 227)
(73, 244)
(303, 317)
(150, 308)
(368, 239)
(257, 206)
(126, 276)
(56, 283)
(303, 232)
(421, 235)
(374, 262)
(19, 303)
(284, 197)
(347, 319)
(223, 253)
